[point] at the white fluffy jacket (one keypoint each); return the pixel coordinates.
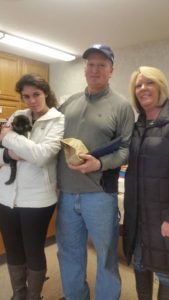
(35, 183)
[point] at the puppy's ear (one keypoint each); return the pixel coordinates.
(28, 127)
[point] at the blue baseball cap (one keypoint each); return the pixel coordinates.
(106, 50)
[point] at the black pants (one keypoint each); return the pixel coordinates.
(24, 232)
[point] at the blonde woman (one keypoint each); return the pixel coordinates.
(146, 219)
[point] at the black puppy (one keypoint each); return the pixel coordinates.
(21, 125)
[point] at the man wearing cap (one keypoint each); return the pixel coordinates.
(88, 198)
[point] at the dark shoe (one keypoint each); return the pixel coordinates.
(18, 281)
(35, 284)
(163, 292)
(144, 284)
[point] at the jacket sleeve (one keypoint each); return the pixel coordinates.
(38, 153)
(165, 215)
(125, 124)
(1, 157)
(2, 162)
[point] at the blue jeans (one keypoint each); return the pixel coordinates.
(95, 214)
(163, 278)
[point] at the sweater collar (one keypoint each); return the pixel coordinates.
(97, 95)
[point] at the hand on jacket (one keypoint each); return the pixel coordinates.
(165, 229)
(4, 131)
(13, 155)
(91, 164)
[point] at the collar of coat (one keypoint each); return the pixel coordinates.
(162, 119)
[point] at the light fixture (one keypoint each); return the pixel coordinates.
(35, 47)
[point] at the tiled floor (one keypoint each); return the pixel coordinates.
(52, 288)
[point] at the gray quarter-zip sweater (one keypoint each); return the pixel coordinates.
(96, 120)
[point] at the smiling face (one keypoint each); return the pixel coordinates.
(98, 72)
(147, 92)
(35, 100)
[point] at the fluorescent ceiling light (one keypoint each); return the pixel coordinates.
(35, 47)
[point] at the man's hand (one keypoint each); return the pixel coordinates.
(91, 164)
(165, 229)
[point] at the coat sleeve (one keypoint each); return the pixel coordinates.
(1, 157)
(125, 124)
(38, 153)
(2, 148)
(165, 215)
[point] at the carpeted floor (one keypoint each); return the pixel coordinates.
(52, 288)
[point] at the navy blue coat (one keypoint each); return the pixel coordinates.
(146, 201)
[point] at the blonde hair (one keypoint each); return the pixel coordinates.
(156, 76)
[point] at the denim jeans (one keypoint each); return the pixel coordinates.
(95, 214)
(163, 278)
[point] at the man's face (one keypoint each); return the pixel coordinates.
(98, 71)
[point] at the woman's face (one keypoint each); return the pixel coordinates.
(147, 92)
(35, 99)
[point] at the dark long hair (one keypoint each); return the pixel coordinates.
(40, 83)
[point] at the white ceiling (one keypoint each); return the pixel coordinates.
(73, 25)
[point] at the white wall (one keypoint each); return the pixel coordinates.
(68, 78)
